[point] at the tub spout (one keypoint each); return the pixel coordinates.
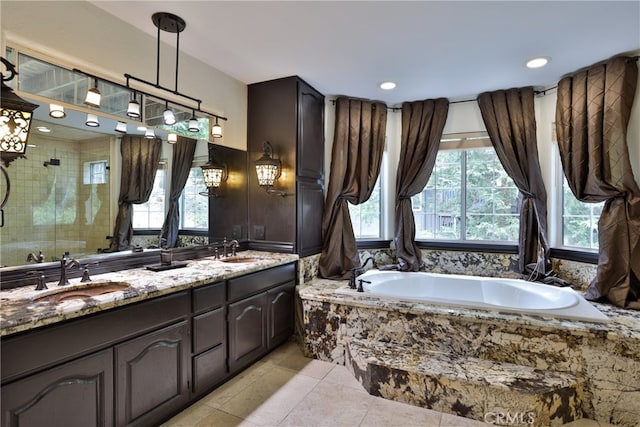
(373, 262)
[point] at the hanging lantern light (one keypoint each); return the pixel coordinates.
(15, 120)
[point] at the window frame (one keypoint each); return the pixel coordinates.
(466, 141)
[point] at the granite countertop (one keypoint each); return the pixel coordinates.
(20, 312)
(624, 324)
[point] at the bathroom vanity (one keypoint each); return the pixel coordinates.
(139, 355)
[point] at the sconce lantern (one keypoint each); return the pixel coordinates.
(214, 174)
(15, 120)
(268, 170)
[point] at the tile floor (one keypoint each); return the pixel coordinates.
(287, 389)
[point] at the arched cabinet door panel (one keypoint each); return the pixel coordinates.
(152, 376)
(77, 393)
(247, 330)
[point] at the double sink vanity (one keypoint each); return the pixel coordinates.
(134, 347)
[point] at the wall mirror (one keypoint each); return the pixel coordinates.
(63, 196)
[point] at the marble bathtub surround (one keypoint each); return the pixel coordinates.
(19, 311)
(604, 359)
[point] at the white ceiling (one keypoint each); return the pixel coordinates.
(454, 49)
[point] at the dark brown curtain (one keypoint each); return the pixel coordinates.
(592, 115)
(358, 145)
(140, 157)
(510, 120)
(183, 152)
(422, 126)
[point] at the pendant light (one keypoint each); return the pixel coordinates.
(133, 109)
(149, 134)
(92, 121)
(193, 123)
(172, 138)
(169, 117)
(216, 130)
(57, 111)
(93, 95)
(121, 127)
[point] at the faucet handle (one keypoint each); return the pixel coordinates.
(40, 284)
(360, 282)
(85, 272)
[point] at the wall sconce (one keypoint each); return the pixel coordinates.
(214, 173)
(268, 170)
(15, 119)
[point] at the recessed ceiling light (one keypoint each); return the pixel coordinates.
(43, 129)
(387, 85)
(538, 62)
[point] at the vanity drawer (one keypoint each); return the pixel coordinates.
(255, 282)
(208, 297)
(209, 368)
(209, 330)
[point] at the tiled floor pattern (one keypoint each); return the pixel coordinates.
(287, 389)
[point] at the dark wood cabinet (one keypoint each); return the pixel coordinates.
(280, 321)
(288, 113)
(77, 393)
(152, 375)
(247, 331)
(209, 361)
(140, 364)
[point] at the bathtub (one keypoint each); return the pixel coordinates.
(485, 293)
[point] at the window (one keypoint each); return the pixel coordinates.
(579, 220)
(194, 208)
(95, 172)
(469, 196)
(366, 217)
(150, 215)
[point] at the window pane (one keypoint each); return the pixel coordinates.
(437, 208)
(491, 200)
(151, 214)
(579, 220)
(365, 217)
(194, 208)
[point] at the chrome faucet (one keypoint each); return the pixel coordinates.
(65, 264)
(35, 258)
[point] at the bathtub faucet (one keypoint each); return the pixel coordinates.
(355, 272)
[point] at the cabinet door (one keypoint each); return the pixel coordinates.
(152, 375)
(280, 315)
(247, 331)
(310, 205)
(77, 393)
(310, 132)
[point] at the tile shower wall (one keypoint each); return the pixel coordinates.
(48, 206)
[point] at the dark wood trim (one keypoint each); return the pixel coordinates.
(469, 246)
(573, 255)
(269, 246)
(373, 244)
(146, 232)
